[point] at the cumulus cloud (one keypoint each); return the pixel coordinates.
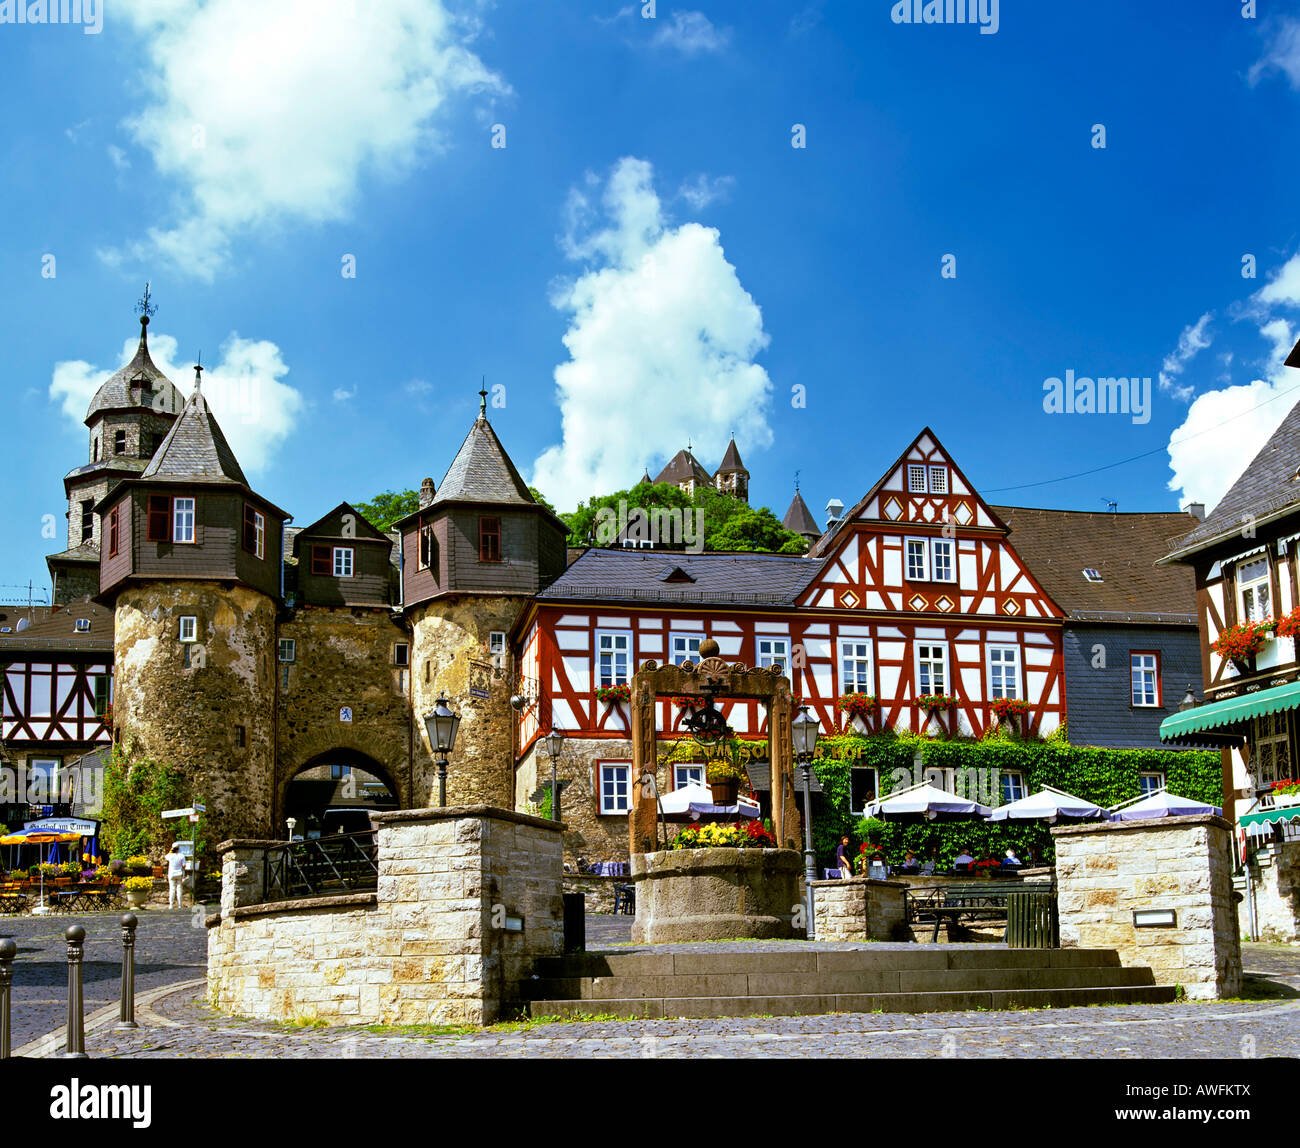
(1281, 55)
(244, 390)
(692, 34)
(342, 395)
(1205, 460)
(662, 340)
(1192, 340)
(702, 191)
(254, 134)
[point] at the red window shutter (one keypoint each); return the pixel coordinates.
(322, 560)
(112, 532)
(250, 529)
(160, 518)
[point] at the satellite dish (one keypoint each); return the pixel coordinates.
(23, 623)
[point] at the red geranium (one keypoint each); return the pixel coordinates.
(1242, 642)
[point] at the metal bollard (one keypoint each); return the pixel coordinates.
(127, 1020)
(8, 950)
(75, 936)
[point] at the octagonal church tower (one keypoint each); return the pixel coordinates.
(479, 547)
(190, 561)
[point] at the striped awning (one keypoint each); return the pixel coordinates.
(1261, 821)
(1231, 711)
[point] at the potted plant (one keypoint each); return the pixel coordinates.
(138, 890)
(1239, 644)
(71, 869)
(724, 780)
(138, 866)
(1289, 625)
(612, 695)
(1010, 712)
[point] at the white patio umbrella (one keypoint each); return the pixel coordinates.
(1050, 805)
(926, 799)
(695, 799)
(1161, 804)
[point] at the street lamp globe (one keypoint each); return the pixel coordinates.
(804, 734)
(441, 725)
(554, 743)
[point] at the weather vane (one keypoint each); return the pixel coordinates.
(144, 307)
(796, 482)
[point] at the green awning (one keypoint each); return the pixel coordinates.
(1216, 715)
(1265, 817)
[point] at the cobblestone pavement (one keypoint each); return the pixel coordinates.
(181, 1025)
(169, 950)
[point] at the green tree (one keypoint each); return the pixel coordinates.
(756, 530)
(583, 521)
(541, 499)
(386, 508)
(136, 791)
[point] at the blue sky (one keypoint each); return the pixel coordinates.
(648, 259)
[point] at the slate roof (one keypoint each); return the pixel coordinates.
(195, 450)
(1058, 545)
(719, 578)
(86, 552)
(683, 467)
(482, 472)
(115, 392)
(54, 628)
(731, 460)
(1268, 488)
(799, 518)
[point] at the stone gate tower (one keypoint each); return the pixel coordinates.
(190, 561)
(473, 557)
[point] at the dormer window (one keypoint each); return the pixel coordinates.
(82, 625)
(1092, 575)
(489, 540)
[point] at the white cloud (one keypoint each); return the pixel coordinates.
(342, 396)
(702, 191)
(691, 33)
(662, 338)
(1284, 287)
(1192, 340)
(255, 409)
(118, 156)
(1282, 55)
(265, 114)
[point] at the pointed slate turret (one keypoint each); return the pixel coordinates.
(482, 471)
(684, 470)
(732, 477)
(139, 384)
(799, 519)
(195, 449)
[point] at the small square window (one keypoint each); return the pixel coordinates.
(497, 642)
(189, 628)
(342, 562)
(614, 789)
(1092, 575)
(82, 625)
(287, 649)
(402, 654)
(686, 774)
(916, 479)
(1151, 782)
(938, 480)
(1013, 787)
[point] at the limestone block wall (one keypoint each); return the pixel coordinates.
(858, 909)
(1105, 872)
(1277, 893)
(213, 719)
(433, 945)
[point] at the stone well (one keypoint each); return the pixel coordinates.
(715, 894)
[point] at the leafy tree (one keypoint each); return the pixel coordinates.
(541, 499)
(661, 495)
(386, 508)
(756, 530)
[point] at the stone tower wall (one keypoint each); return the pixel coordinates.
(190, 716)
(449, 650)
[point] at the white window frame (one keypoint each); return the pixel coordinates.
(950, 544)
(190, 632)
(940, 472)
(1248, 591)
(344, 561)
(183, 520)
(1143, 673)
(496, 642)
(875, 784)
(922, 550)
(1150, 775)
(292, 649)
(912, 469)
(615, 653)
(857, 651)
(687, 655)
(259, 533)
(609, 798)
(684, 772)
(1015, 660)
(37, 766)
(1013, 791)
(942, 661)
(770, 656)
(81, 625)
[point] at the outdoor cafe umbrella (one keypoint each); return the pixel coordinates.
(928, 800)
(693, 800)
(39, 837)
(1050, 805)
(1161, 804)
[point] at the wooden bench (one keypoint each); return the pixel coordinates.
(972, 900)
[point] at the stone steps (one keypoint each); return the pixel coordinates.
(790, 983)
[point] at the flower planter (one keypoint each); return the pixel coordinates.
(715, 894)
(1282, 800)
(137, 898)
(724, 792)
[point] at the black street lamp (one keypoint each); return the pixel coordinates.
(555, 743)
(441, 726)
(803, 733)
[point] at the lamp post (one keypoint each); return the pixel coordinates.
(441, 725)
(1189, 700)
(804, 736)
(554, 743)
(292, 823)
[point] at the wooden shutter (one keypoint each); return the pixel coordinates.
(322, 560)
(112, 532)
(250, 529)
(160, 518)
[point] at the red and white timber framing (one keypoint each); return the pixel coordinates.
(985, 607)
(53, 702)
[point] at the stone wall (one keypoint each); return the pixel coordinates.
(191, 717)
(433, 945)
(1105, 872)
(859, 909)
(1276, 879)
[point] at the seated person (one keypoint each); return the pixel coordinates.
(963, 861)
(927, 870)
(911, 863)
(1011, 861)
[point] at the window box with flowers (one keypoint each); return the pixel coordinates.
(1239, 644)
(1286, 792)
(612, 695)
(860, 706)
(1011, 713)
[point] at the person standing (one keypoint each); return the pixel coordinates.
(175, 876)
(842, 858)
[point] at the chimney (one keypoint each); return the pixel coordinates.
(834, 509)
(426, 492)
(1196, 510)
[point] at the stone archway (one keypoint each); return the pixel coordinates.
(338, 779)
(728, 680)
(337, 743)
